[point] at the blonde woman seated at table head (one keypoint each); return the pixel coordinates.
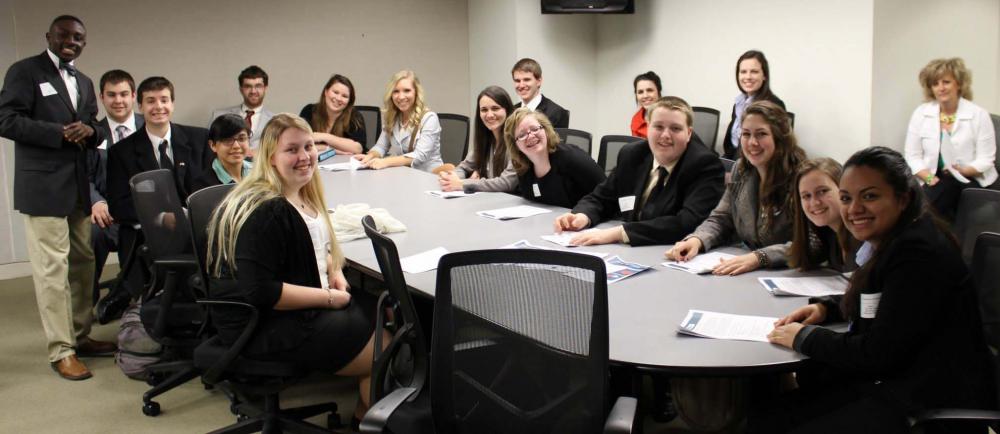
(950, 142)
(548, 171)
(335, 122)
(411, 133)
(273, 235)
(756, 208)
(487, 167)
(818, 233)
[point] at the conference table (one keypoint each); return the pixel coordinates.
(644, 310)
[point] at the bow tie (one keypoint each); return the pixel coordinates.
(70, 69)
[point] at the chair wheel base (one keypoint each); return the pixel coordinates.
(151, 409)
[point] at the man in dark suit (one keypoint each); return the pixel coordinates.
(661, 188)
(159, 145)
(118, 97)
(48, 108)
(527, 74)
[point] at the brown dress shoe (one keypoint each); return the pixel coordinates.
(71, 368)
(87, 347)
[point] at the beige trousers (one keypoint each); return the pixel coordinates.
(62, 264)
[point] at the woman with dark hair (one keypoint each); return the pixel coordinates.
(333, 119)
(756, 207)
(819, 236)
(753, 78)
(487, 167)
(229, 138)
(549, 172)
(647, 88)
(914, 340)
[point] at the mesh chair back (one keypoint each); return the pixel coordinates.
(161, 214)
(607, 155)
(985, 262)
(578, 138)
(201, 204)
(978, 212)
(408, 339)
(454, 137)
(706, 125)
(520, 342)
(373, 123)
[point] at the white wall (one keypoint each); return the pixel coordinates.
(12, 246)
(904, 43)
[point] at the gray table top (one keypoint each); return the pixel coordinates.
(644, 310)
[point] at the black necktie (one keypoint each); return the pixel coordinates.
(165, 162)
(70, 69)
(661, 180)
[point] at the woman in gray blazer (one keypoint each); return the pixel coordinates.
(756, 208)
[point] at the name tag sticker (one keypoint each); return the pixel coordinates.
(47, 89)
(869, 304)
(626, 203)
(103, 145)
(536, 190)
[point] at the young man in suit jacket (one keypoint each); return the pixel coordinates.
(527, 74)
(48, 108)
(118, 98)
(253, 87)
(159, 145)
(662, 188)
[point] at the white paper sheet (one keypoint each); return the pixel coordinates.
(351, 164)
(422, 262)
(618, 269)
(449, 194)
(563, 238)
(804, 286)
(701, 264)
(717, 325)
(524, 244)
(514, 212)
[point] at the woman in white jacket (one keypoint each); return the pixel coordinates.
(950, 143)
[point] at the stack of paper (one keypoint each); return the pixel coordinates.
(422, 262)
(701, 264)
(449, 194)
(716, 325)
(805, 286)
(514, 212)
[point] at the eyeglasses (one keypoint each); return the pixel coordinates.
(253, 86)
(531, 130)
(242, 138)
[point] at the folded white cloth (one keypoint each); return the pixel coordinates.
(346, 221)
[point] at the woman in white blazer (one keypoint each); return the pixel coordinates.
(411, 133)
(950, 143)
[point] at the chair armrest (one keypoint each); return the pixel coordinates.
(378, 415)
(939, 414)
(622, 416)
(212, 375)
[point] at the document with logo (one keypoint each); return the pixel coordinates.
(804, 286)
(715, 325)
(618, 269)
(701, 264)
(512, 213)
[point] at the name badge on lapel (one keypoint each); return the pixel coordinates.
(537, 191)
(869, 304)
(626, 203)
(47, 89)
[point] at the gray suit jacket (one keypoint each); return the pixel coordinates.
(737, 216)
(50, 174)
(97, 160)
(265, 115)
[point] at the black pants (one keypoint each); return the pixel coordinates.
(136, 280)
(103, 241)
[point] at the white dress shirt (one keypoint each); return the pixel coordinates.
(533, 104)
(71, 85)
(156, 140)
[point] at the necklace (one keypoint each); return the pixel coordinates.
(947, 119)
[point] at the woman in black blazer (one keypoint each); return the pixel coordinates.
(915, 339)
(273, 235)
(549, 172)
(754, 81)
(335, 122)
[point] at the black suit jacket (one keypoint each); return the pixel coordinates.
(556, 114)
(50, 174)
(728, 150)
(693, 189)
(135, 155)
(97, 160)
(573, 174)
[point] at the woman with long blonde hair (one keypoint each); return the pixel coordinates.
(411, 133)
(273, 236)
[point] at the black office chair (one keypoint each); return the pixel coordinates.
(578, 138)
(222, 365)
(454, 137)
(978, 212)
(520, 345)
(996, 161)
(168, 309)
(706, 125)
(791, 119)
(728, 165)
(373, 123)
(607, 155)
(985, 262)
(401, 370)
